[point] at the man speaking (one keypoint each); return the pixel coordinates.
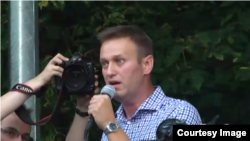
(127, 61)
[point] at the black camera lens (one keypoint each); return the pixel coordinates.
(74, 77)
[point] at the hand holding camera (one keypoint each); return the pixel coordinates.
(52, 69)
(83, 101)
(75, 76)
(79, 79)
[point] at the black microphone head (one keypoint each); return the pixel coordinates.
(109, 90)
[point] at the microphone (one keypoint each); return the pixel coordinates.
(106, 90)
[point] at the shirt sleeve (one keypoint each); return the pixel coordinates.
(189, 114)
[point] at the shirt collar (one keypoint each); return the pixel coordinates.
(152, 103)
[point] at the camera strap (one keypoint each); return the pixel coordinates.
(24, 114)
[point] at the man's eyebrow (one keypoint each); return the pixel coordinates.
(102, 60)
(10, 128)
(13, 128)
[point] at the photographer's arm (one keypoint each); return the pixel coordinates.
(7, 106)
(77, 129)
(12, 100)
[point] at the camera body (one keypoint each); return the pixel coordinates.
(165, 129)
(78, 76)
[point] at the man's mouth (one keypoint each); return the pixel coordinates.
(114, 83)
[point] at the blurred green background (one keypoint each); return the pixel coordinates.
(202, 51)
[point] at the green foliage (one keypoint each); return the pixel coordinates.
(202, 51)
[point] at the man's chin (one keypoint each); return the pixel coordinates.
(119, 96)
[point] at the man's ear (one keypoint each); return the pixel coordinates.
(148, 64)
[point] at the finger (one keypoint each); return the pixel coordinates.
(96, 97)
(56, 61)
(90, 112)
(62, 57)
(57, 73)
(94, 101)
(96, 77)
(100, 98)
(96, 83)
(97, 90)
(57, 68)
(91, 106)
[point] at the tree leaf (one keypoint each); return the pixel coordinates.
(235, 60)
(218, 56)
(197, 80)
(174, 55)
(210, 55)
(59, 4)
(115, 14)
(204, 38)
(243, 75)
(228, 17)
(43, 4)
(244, 68)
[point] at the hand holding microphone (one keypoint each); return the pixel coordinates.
(100, 110)
(100, 107)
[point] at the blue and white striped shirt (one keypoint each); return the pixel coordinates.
(157, 108)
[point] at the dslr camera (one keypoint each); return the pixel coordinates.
(78, 76)
(165, 129)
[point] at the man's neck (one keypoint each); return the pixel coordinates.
(131, 107)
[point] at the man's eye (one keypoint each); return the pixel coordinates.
(120, 61)
(104, 64)
(11, 133)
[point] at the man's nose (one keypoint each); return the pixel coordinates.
(111, 71)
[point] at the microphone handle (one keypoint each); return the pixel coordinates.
(88, 127)
(90, 124)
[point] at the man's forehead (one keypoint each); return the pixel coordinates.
(14, 121)
(117, 48)
(10, 117)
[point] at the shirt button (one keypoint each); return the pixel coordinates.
(128, 122)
